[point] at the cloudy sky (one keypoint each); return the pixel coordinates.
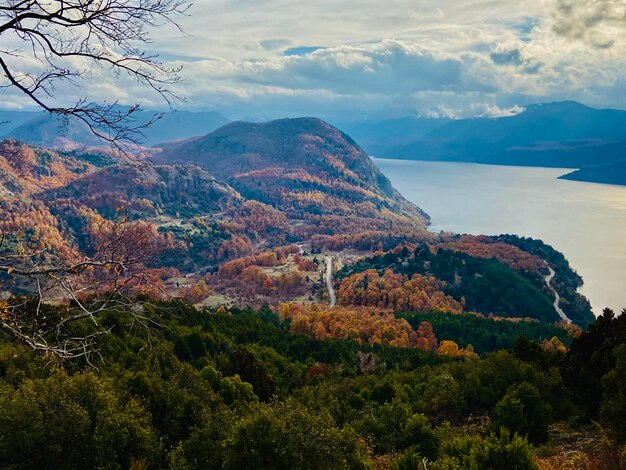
(353, 59)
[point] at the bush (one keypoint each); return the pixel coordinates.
(523, 411)
(73, 422)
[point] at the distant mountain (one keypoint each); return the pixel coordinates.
(562, 155)
(44, 129)
(53, 131)
(565, 134)
(547, 122)
(611, 173)
(377, 136)
(9, 120)
(303, 166)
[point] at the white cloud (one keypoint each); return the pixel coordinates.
(345, 59)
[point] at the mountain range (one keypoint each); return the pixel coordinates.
(561, 135)
(44, 129)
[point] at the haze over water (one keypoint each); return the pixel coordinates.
(585, 221)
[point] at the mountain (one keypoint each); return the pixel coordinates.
(9, 120)
(376, 136)
(53, 131)
(25, 170)
(148, 191)
(563, 135)
(611, 173)
(44, 129)
(303, 166)
(546, 122)
(178, 125)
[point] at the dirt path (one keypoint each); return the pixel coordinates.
(329, 281)
(557, 298)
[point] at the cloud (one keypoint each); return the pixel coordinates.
(343, 60)
(598, 22)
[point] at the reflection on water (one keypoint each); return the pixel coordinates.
(585, 221)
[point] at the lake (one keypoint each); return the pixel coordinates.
(585, 221)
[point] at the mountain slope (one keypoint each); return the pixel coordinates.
(303, 166)
(148, 190)
(545, 122)
(25, 170)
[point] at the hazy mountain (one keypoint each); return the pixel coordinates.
(179, 125)
(566, 134)
(9, 120)
(53, 131)
(547, 122)
(611, 173)
(300, 164)
(376, 136)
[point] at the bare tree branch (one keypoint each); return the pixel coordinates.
(64, 291)
(105, 34)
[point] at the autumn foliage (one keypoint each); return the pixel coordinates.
(359, 324)
(396, 292)
(485, 247)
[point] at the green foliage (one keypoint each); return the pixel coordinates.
(473, 452)
(288, 436)
(485, 285)
(591, 356)
(79, 421)
(394, 427)
(523, 411)
(613, 405)
(230, 390)
(566, 281)
(483, 334)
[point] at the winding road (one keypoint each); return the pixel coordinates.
(329, 281)
(557, 298)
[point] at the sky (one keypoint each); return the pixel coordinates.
(373, 59)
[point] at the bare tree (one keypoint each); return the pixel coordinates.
(63, 291)
(68, 38)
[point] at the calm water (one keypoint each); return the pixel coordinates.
(585, 221)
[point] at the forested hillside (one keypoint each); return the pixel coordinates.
(183, 316)
(234, 389)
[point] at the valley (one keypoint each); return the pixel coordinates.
(272, 272)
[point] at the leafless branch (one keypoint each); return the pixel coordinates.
(104, 34)
(65, 291)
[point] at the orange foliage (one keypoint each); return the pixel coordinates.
(485, 247)
(450, 348)
(195, 293)
(391, 290)
(274, 257)
(261, 219)
(358, 324)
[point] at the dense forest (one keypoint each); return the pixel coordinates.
(235, 389)
(482, 285)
